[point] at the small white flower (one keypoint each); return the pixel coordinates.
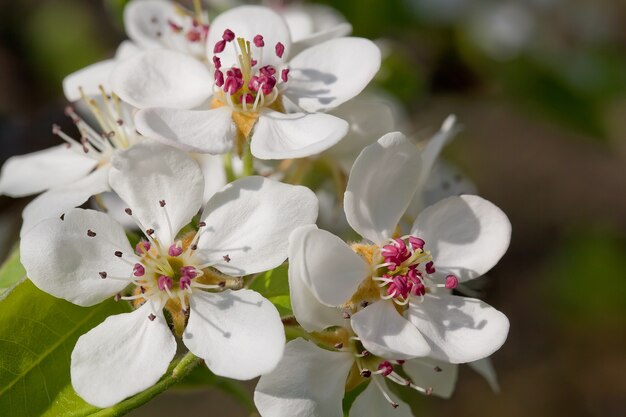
(150, 24)
(71, 173)
(252, 88)
(396, 289)
(85, 258)
(313, 375)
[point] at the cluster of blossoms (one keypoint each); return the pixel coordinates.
(178, 124)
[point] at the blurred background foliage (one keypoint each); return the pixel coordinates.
(540, 87)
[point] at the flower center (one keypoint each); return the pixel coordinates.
(402, 268)
(247, 86)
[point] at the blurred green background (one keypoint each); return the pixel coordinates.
(540, 88)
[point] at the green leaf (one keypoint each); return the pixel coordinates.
(37, 335)
(274, 285)
(11, 271)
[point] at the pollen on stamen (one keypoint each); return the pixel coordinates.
(164, 283)
(385, 368)
(139, 270)
(174, 250)
(259, 42)
(280, 49)
(219, 46)
(185, 282)
(451, 282)
(142, 247)
(228, 35)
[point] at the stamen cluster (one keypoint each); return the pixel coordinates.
(406, 268)
(249, 86)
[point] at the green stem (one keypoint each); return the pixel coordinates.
(180, 371)
(228, 167)
(248, 162)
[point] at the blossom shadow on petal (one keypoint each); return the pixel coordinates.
(310, 83)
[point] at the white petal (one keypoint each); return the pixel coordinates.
(63, 261)
(309, 381)
(143, 20)
(459, 329)
(314, 23)
(247, 22)
(123, 356)
(115, 207)
(372, 403)
(328, 266)
(297, 135)
(484, 368)
(162, 78)
(430, 373)
(382, 183)
(466, 235)
(127, 49)
(250, 221)
(370, 117)
(205, 131)
(38, 171)
(239, 334)
(435, 145)
(53, 203)
(443, 181)
(384, 332)
(328, 74)
(150, 172)
(90, 79)
(310, 313)
(212, 167)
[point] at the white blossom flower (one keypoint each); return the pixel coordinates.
(396, 288)
(69, 174)
(85, 258)
(149, 24)
(248, 90)
(313, 375)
